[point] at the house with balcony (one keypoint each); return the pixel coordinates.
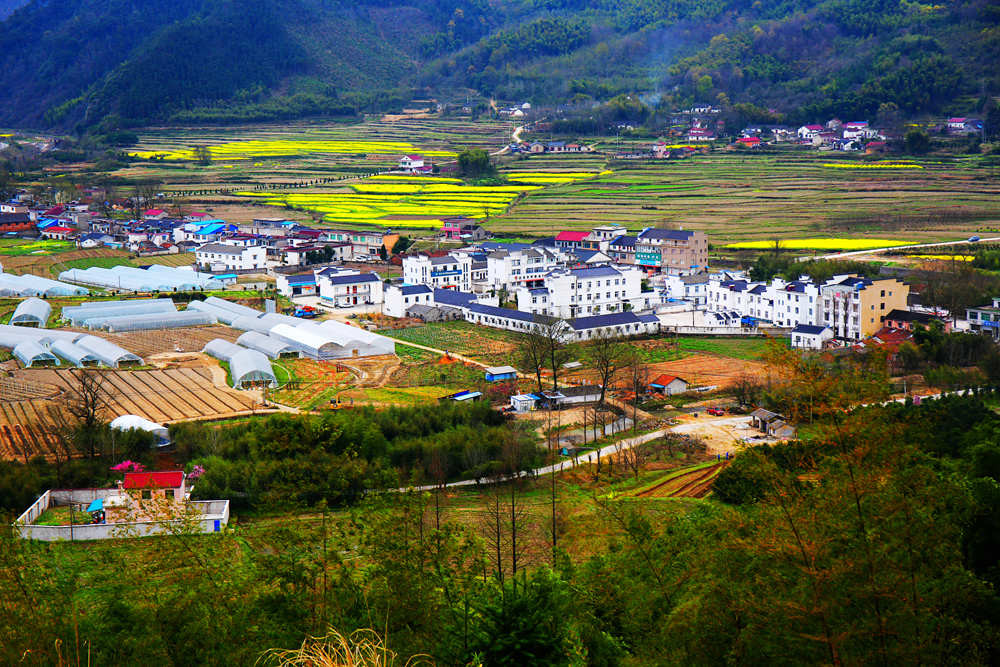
(346, 287)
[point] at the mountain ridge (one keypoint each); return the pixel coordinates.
(85, 63)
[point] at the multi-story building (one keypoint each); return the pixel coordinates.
(451, 271)
(797, 302)
(671, 250)
(347, 287)
(985, 319)
(519, 267)
(622, 249)
(570, 293)
(220, 257)
(365, 242)
(854, 307)
(692, 288)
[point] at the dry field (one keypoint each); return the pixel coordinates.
(30, 410)
(148, 344)
(698, 369)
(706, 369)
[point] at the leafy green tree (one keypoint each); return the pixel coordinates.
(916, 142)
(475, 163)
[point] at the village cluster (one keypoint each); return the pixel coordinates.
(607, 280)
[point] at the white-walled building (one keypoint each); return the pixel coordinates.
(692, 288)
(519, 267)
(570, 293)
(398, 298)
(459, 269)
(810, 336)
(221, 257)
(347, 287)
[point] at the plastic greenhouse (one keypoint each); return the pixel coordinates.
(251, 324)
(221, 349)
(29, 285)
(139, 280)
(250, 368)
(365, 342)
(80, 315)
(110, 354)
(75, 354)
(311, 340)
(31, 353)
(246, 367)
(271, 347)
(129, 422)
(32, 312)
(167, 320)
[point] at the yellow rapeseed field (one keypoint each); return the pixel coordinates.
(406, 201)
(246, 150)
(873, 165)
(946, 258)
(819, 244)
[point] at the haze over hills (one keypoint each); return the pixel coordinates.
(80, 62)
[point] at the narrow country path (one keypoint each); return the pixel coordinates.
(443, 353)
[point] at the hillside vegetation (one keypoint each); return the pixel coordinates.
(91, 62)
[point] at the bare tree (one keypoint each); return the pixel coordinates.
(637, 375)
(88, 402)
(606, 353)
(634, 457)
(747, 389)
(554, 333)
(533, 352)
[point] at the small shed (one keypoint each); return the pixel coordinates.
(761, 418)
(524, 402)
(462, 396)
(168, 485)
(500, 373)
(781, 429)
(668, 385)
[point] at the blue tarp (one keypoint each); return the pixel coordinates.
(96, 506)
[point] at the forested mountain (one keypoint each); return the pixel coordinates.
(77, 62)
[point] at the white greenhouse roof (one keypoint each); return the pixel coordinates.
(73, 353)
(32, 310)
(30, 285)
(251, 367)
(81, 315)
(221, 349)
(128, 422)
(268, 345)
(110, 354)
(29, 352)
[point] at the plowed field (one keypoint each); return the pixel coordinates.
(149, 343)
(163, 396)
(692, 483)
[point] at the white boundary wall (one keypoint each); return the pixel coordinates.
(211, 516)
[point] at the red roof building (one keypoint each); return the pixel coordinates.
(571, 237)
(154, 480)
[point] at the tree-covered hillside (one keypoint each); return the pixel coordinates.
(81, 61)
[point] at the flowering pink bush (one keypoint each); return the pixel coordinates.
(128, 466)
(196, 472)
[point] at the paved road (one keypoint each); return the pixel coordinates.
(875, 251)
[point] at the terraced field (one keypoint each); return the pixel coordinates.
(693, 482)
(735, 196)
